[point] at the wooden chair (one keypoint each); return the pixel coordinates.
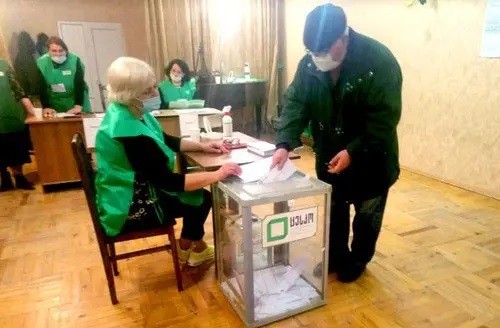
(106, 243)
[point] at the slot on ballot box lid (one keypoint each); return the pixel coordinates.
(299, 181)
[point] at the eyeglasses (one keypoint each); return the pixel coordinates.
(231, 142)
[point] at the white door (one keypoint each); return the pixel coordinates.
(97, 44)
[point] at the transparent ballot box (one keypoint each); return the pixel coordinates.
(269, 239)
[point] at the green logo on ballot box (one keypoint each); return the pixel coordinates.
(277, 229)
(291, 226)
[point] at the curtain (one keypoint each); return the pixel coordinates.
(4, 53)
(233, 32)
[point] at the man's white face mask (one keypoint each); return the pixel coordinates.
(325, 62)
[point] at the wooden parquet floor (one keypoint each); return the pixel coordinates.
(437, 265)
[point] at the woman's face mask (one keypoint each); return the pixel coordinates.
(57, 53)
(176, 78)
(59, 59)
(151, 104)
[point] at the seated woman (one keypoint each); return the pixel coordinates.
(135, 184)
(178, 83)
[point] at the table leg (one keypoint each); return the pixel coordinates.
(258, 119)
(215, 204)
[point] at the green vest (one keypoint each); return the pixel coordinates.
(172, 93)
(115, 177)
(61, 83)
(12, 113)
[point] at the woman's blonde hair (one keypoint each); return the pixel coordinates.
(128, 78)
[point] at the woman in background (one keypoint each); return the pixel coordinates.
(63, 88)
(14, 134)
(178, 83)
(135, 184)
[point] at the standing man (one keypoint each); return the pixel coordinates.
(349, 87)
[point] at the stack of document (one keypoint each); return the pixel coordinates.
(261, 148)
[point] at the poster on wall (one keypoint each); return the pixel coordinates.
(490, 45)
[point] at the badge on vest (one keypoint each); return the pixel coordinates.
(58, 88)
(2, 74)
(66, 72)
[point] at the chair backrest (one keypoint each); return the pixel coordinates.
(84, 163)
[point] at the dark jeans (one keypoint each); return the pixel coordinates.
(366, 228)
(14, 148)
(194, 217)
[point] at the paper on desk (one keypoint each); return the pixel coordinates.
(62, 115)
(90, 127)
(259, 170)
(188, 121)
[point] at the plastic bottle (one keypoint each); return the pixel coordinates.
(247, 71)
(227, 125)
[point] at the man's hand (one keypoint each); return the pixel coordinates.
(340, 162)
(279, 158)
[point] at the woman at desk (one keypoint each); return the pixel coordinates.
(178, 83)
(135, 184)
(14, 134)
(63, 88)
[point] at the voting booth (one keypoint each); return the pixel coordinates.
(269, 239)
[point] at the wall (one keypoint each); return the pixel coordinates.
(35, 16)
(450, 128)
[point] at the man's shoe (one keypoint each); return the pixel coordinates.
(350, 272)
(5, 181)
(23, 183)
(318, 270)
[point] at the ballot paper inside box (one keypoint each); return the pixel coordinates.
(269, 239)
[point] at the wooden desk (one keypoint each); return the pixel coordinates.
(211, 162)
(51, 139)
(238, 95)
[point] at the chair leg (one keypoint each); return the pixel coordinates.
(112, 252)
(175, 259)
(108, 270)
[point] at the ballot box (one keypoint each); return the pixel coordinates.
(269, 239)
